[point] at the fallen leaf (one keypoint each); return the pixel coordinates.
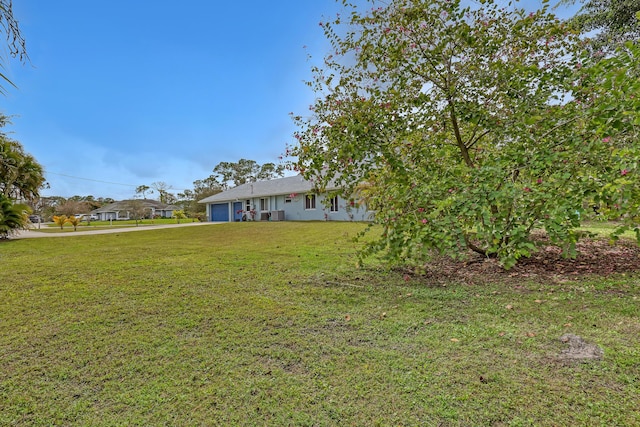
(508, 307)
(538, 301)
(531, 334)
(501, 334)
(455, 340)
(567, 325)
(347, 317)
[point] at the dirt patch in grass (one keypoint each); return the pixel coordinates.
(596, 257)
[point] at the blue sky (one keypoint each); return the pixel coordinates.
(134, 92)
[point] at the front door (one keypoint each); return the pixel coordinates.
(237, 211)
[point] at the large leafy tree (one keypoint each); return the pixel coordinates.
(608, 95)
(611, 22)
(243, 171)
(456, 126)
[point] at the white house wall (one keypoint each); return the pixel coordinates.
(295, 210)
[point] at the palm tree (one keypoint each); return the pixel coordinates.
(13, 217)
(60, 220)
(75, 221)
(21, 176)
(15, 41)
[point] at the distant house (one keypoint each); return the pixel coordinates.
(291, 198)
(122, 209)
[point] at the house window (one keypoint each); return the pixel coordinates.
(287, 199)
(264, 204)
(310, 201)
(334, 204)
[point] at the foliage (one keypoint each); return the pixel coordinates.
(137, 209)
(21, 176)
(71, 207)
(178, 215)
(74, 221)
(458, 124)
(202, 188)
(164, 196)
(60, 220)
(243, 171)
(143, 189)
(608, 94)
(172, 327)
(613, 21)
(13, 217)
(15, 41)
(225, 175)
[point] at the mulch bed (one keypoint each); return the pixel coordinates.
(596, 257)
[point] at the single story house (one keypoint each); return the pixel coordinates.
(124, 209)
(290, 198)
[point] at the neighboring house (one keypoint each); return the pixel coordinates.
(121, 210)
(291, 198)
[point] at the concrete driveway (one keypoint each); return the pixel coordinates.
(34, 233)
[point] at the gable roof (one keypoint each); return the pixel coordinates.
(272, 187)
(124, 205)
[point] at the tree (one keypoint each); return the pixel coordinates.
(202, 188)
(15, 41)
(71, 207)
(13, 217)
(74, 221)
(137, 209)
(459, 123)
(21, 176)
(179, 214)
(610, 106)
(613, 21)
(143, 189)
(243, 171)
(46, 206)
(270, 171)
(60, 220)
(163, 191)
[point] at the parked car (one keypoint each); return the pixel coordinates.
(86, 217)
(35, 219)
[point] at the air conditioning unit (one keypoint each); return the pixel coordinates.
(277, 215)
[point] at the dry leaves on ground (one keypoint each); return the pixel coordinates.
(595, 257)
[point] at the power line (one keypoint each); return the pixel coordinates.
(103, 182)
(90, 179)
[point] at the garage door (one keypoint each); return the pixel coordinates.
(220, 212)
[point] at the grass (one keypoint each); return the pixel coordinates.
(272, 324)
(605, 228)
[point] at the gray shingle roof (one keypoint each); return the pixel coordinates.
(272, 187)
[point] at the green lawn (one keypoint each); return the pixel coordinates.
(272, 324)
